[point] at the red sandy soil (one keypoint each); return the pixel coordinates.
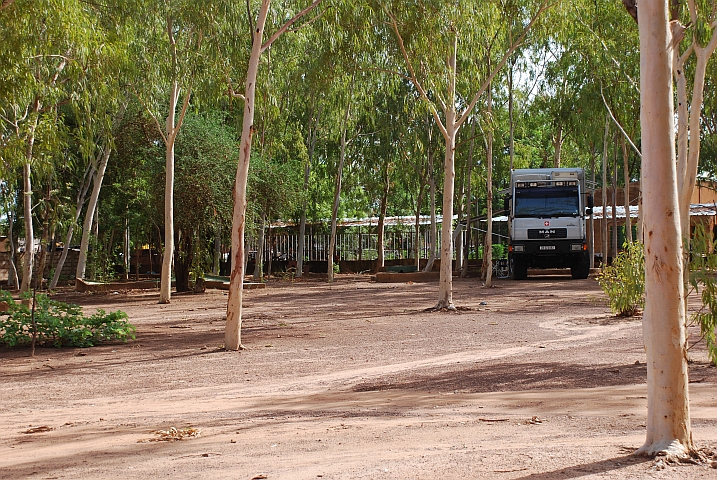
(528, 380)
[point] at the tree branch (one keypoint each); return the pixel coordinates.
(466, 113)
(618, 124)
(185, 104)
(154, 117)
(251, 24)
(288, 24)
(5, 4)
(231, 92)
(309, 22)
(414, 80)
(631, 7)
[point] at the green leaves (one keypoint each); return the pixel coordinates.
(703, 266)
(59, 324)
(624, 281)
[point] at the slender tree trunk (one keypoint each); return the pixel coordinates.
(337, 197)
(605, 241)
(302, 227)
(13, 280)
(488, 249)
(626, 175)
(558, 146)
(668, 413)
(311, 142)
(381, 241)
(614, 202)
(445, 282)
(44, 241)
(458, 238)
(591, 233)
(165, 283)
(689, 118)
(259, 263)
(469, 203)
(29, 233)
(29, 264)
(217, 250)
(417, 237)
(81, 196)
(511, 140)
(269, 263)
(91, 210)
(126, 249)
(232, 332)
(432, 205)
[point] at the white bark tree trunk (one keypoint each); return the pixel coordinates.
(668, 413)
(13, 280)
(689, 127)
(449, 129)
(469, 204)
(337, 197)
(604, 230)
(626, 176)
(165, 283)
(29, 258)
(97, 178)
(232, 332)
(445, 282)
(432, 195)
(488, 249)
(381, 228)
(81, 196)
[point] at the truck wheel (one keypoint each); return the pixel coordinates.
(520, 270)
(581, 268)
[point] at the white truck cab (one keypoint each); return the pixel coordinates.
(547, 208)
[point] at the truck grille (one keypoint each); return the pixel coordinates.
(547, 232)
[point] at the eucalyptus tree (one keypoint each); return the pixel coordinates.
(47, 47)
(205, 159)
(695, 45)
(232, 334)
(170, 60)
(668, 412)
(99, 155)
(425, 36)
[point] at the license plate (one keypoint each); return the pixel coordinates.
(547, 247)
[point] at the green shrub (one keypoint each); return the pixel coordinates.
(703, 265)
(624, 281)
(59, 324)
(500, 251)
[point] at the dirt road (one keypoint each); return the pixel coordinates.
(528, 380)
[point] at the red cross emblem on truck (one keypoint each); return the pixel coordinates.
(547, 223)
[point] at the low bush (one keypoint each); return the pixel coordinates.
(59, 324)
(624, 281)
(703, 266)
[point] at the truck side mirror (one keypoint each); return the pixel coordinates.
(588, 211)
(506, 203)
(590, 202)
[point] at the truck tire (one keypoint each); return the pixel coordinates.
(581, 268)
(519, 270)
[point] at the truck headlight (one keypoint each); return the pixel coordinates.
(576, 247)
(518, 248)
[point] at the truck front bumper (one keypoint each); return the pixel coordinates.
(548, 253)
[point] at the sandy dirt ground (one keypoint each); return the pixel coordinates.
(528, 380)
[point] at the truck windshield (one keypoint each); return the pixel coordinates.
(546, 202)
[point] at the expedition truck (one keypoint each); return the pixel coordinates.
(547, 208)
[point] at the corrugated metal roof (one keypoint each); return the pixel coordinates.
(696, 209)
(372, 221)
